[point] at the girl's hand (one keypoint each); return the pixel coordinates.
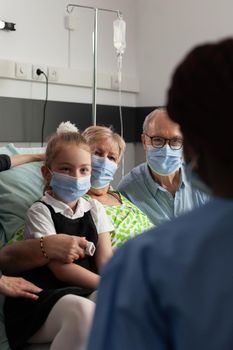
(18, 287)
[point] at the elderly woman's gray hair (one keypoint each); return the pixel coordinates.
(94, 134)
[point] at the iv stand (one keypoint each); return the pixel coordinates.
(69, 9)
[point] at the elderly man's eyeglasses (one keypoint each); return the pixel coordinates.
(159, 142)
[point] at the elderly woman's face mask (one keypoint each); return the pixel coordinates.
(103, 171)
(104, 163)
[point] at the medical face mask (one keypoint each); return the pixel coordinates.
(69, 188)
(195, 180)
(103, 171)
(164, 161)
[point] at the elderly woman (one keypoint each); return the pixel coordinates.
(107, 149)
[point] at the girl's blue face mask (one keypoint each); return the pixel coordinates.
(103, 171)
(164, 161)
(69, 188)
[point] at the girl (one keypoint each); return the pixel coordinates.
(63, 312)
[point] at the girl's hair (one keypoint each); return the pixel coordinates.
(94, 134)
(60, 139)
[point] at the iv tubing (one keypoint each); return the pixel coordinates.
(122, 130)
(94, 68)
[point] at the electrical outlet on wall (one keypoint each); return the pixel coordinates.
(22, 70)
(35, 76)
(52, 74)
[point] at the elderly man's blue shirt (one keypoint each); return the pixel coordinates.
(155, 201)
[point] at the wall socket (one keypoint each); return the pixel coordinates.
(21, 70)
(35, 76)
(52, 74)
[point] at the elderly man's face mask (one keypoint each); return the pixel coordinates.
(164, 161)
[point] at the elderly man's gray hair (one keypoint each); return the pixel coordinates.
(151, 116)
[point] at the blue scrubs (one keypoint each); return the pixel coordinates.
(172, 287)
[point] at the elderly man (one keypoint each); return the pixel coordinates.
(159, 187)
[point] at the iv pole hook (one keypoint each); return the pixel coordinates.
(69, 9)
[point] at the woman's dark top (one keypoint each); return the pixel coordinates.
(5, 162)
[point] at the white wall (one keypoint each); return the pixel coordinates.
(159, 33)
(166, 30)
(41, 37)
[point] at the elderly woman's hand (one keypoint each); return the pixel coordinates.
(65, 248)
(18, 287)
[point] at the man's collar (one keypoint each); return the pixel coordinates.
(151, 183)
(184, 180)
(154, 185)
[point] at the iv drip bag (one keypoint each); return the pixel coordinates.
(119, 30)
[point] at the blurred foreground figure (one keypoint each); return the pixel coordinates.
(172, 288)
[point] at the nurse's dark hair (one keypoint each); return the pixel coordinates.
(200, 98)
